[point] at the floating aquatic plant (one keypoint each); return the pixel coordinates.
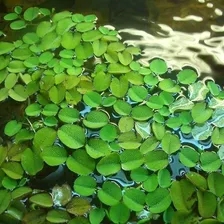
(93, 109)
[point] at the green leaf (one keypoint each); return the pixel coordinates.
(31, 162)
(21, 192)
(109, 164)
(141, 113)
(131, 159)
(119, 213)
(110, 193)
(57, 216)
(155, 102)
(206, 204)
(72, 136)
(198, 180)
(188, 156)
(137, 93)
(149, 144)
(80, 162)
(118, 69)
(158, 130)
(12, 128)
(23, 135)
(6, 47)
(139, 175)
(11, 80)
(31, 13)
(125, 58)
(218, 136)
(35, 216)
(216, 183)
(99, 47)
(151, 183)
(18, 93)
(42, 199)
(164, 178)
(158, 66)
(101, 81)
(3, 94)
(158, 200)
(187, 76)
(44, 27)
(200, 113)
(64, 26)
(78, 18)
(119, 86)
(92, 99)
(50, 41)
(122, 107)
(170, 143)
(30, 38)
(84, 26)
(109, 133)
(44, 137)
(57, 94)
(213, 88)
(50, 110)
(54, 155)
(85, 185)
(91, 35)
(11, 16)
(84, 51)
(210, 161)
(13, 170)
(134, 199)
(68, 115)
(182, 194)
(18, 25)
(96, 215)
(5, 198)
(33, 110)
(125, 124)
(95, 119)
(97, 148)
(169, 86)
(156, 160)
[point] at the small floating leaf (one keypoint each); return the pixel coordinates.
(54, 155)
(95, 119)
(158, 66)
(158, 200)
(12, 128)
(85, 185)
(72, 136)
(110, 193)
(187, 76)
(210, 161)
(188, 156)
(156, 160)
(119, 213)
(134, 199)
(170, 143)
(216, 183)
(31, 162)
(80, 162)
(5, 198)
(109, 164)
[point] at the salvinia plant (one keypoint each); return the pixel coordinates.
(115, 127)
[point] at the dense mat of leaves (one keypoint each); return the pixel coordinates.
(92, 108)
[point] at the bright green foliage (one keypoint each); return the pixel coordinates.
(90, 114)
